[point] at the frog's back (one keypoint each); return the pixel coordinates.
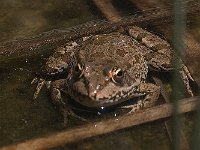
(110, 68)
(115, 50)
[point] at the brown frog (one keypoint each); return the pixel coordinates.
(106, 69)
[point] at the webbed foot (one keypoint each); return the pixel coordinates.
(67, 112)
(40, 83)
(62, 106)
(186, 76)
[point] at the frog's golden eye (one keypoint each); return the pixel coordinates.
(79, 70)
(118, 75)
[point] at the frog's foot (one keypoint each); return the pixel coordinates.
(159, 54)
(63, 106)
(151, 92)
(135, 107)
(66, 112)
(186, 76)
(40, 83)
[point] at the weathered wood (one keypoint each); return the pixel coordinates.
(108, 10)
(106, 126)
(30, 46)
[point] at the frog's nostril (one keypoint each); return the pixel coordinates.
(99, 87)
(93, 90)
(93, 94)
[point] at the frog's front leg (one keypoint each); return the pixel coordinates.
(160, 55)
(56, 97)
(151, 93)
(55, 67)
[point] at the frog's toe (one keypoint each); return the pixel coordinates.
(40, 82)
(186, 76)
(135, 107)
(78, 117)
(187, 72)
(66, 112)
(35, 80)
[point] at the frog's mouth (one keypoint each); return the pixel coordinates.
(109, 95)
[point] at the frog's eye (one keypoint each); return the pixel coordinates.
(79, 70)
(118, 75)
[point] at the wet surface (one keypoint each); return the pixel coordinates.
(150, 136)
(21, 19)
(22, 118)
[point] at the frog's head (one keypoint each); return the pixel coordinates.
(106, 70)
(101, 84)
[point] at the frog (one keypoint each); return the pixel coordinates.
(104, 70)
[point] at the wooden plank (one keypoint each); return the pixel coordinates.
(106, 126)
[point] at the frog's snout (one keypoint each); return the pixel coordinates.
(89, 90)
(93, 91)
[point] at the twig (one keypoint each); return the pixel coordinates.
(107, 126)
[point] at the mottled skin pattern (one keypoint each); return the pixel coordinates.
(107, 69)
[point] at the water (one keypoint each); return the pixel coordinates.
(21, 117)
(23, 19)
(150, 136)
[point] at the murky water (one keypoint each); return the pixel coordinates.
(22, 118)
(19, 18)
